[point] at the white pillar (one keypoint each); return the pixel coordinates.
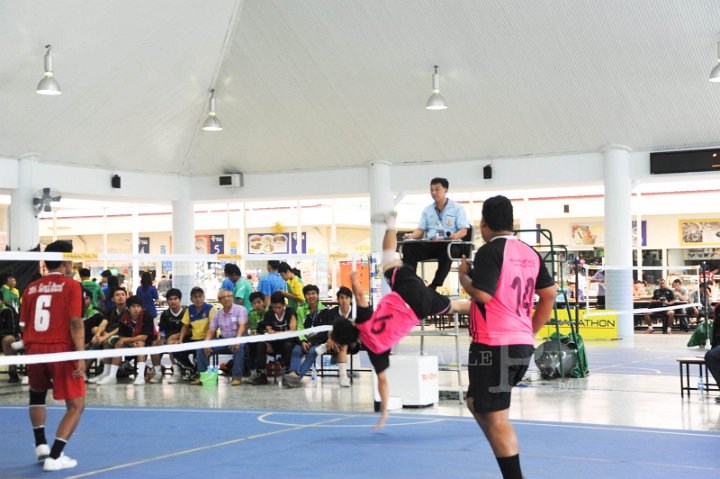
(183, 231)
(135, 249)
(333, 246)
(105, 237)
(527, 222)
(381, 200)
(24, 230)
(242, 247)
(298, 227)
(618, 235)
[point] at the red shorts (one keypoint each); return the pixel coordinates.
(56, 376)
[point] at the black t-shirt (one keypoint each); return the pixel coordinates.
(487, 267)
(126, 328)
(380, 362)
(171, 323)
(92, 322)
(663, 293)
(113, 319)
(325, 317)
(282, 324)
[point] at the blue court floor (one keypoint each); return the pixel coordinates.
(144, 442)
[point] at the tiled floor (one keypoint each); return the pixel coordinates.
(632, 383)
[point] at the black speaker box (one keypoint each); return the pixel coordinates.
(487, 172)
(115, 181)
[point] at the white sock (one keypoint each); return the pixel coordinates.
(106, 370)
(141, 369)
(113, 370)
(342, 370)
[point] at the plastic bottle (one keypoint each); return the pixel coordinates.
(701, 384)
(313, 373)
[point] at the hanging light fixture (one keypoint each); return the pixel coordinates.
(715, 73)
(436, 101)
(212, 123)
(48, 85)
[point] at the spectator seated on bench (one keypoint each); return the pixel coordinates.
(662, 296)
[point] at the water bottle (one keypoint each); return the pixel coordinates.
(700, 384)
(313, 374)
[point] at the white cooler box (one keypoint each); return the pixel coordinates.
(414, 379)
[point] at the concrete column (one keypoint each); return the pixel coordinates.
(381, 200)
(618, 235)
(135, 249)
(183, 234)
(24, 230)
(527, 222)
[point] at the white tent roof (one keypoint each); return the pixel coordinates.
(330, 84)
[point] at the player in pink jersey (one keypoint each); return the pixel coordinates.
(396, 313)
(505, 277)
(52, 312)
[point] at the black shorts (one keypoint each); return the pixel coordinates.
(424, 301)
(493, 371)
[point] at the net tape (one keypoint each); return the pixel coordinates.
(173, 348)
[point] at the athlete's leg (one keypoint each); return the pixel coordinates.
(71, 418)
(502, 438)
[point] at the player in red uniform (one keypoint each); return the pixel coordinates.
(52, 312)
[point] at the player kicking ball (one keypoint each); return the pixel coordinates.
(396, 313)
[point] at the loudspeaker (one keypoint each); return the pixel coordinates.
(487, 172)
(115, 181)
(566, 208)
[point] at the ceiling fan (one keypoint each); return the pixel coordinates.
(43, 198)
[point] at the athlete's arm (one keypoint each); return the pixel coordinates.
(77, 331)
(358, 290)
(544, 307)
(383, 389)
(466, 281)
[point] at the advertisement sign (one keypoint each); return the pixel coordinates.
(202, 244)
(144, 245)
(276, 243)
(217, 244)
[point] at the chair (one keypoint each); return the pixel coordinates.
(455, 249)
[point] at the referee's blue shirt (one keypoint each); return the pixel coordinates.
(437, 223)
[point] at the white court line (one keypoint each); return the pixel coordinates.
(419, 421)
(198, 449)
(634, 429)
(585, 459)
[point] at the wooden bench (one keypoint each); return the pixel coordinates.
(685, 375)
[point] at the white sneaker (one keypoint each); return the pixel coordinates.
(344, 382)
(156, 379)
(25, 380)
(383, 217)
(175, 378)
(95, 379)
(139, 380)
(62, 462)
(106, 380)
(42, 452)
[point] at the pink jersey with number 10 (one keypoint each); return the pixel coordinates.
(507, 317)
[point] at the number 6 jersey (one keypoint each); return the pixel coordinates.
(47, 306)
(510, 271)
